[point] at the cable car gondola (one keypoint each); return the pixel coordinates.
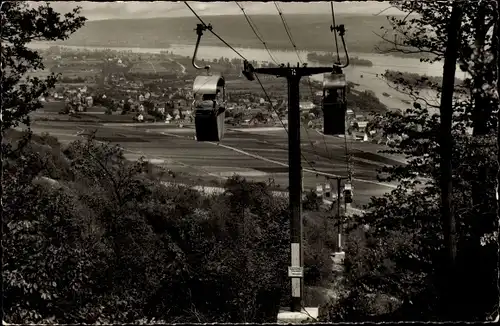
(348, 193)
(335, 90)
(334, 103)
(210, 98)
(209, 112)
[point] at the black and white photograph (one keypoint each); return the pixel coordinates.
(283, 162)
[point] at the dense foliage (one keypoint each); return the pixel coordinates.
(394, 267)
(91, 237)
(22, 24)
(81, 220)
(415, 80)
(365, 102)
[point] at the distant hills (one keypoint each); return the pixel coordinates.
(310, 32)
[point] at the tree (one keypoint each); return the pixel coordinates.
(312, 201)
(400, 254)
(238, 117)
(136, 249)
(21, 25)
(126, 107)
(37, 284)
(425, 34)
(449, 294)
(259, 116)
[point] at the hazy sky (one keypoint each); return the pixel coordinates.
(136, 9)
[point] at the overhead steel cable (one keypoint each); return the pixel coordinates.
(348, 160)
(287, 30)
(209, 27)
(281, 121)
(253, 26)
(289, 33)
(335, 34)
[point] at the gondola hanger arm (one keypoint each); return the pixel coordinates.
(341, 30)
(199, 31)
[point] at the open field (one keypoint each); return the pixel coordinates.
(44, 73)
(148, 67)
(94, 117)
(256, 155)
(96, 114)
(77, 84)
(274, 86)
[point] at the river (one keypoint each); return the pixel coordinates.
(368, 78)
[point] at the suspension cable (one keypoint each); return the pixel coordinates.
(260, 83)
(347, 157)
(289, 33)
(287, 30)
(281, 122)
(253, 26)
(335, 33)
(211, 31)
(348, 160)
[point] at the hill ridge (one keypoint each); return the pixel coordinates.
(240, 16)
(310, 32)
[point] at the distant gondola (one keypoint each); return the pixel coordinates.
(334, 104)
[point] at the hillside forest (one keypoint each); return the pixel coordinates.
(90, 237)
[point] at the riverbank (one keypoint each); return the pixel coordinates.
(368, 78)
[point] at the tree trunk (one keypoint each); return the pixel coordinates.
(472, 255)
(449, 276)
(484, 72)
(479, 117)
(497, 41)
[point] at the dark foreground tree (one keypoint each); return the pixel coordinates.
(22, 24)
(105, 241)
(394, 267)
(449, 279)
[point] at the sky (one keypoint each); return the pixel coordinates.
(143, 9)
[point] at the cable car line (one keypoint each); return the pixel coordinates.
(289, 33)
(287, 30)
(209, 117)
(209, 27)
(341, 31)
(253, 26)
(281, 122)
(209, 123)
(258, 80)
(335, 34)
(332, 29)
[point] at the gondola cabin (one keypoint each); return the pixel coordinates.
(209, 110)
(334, 104)
(348, 193)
